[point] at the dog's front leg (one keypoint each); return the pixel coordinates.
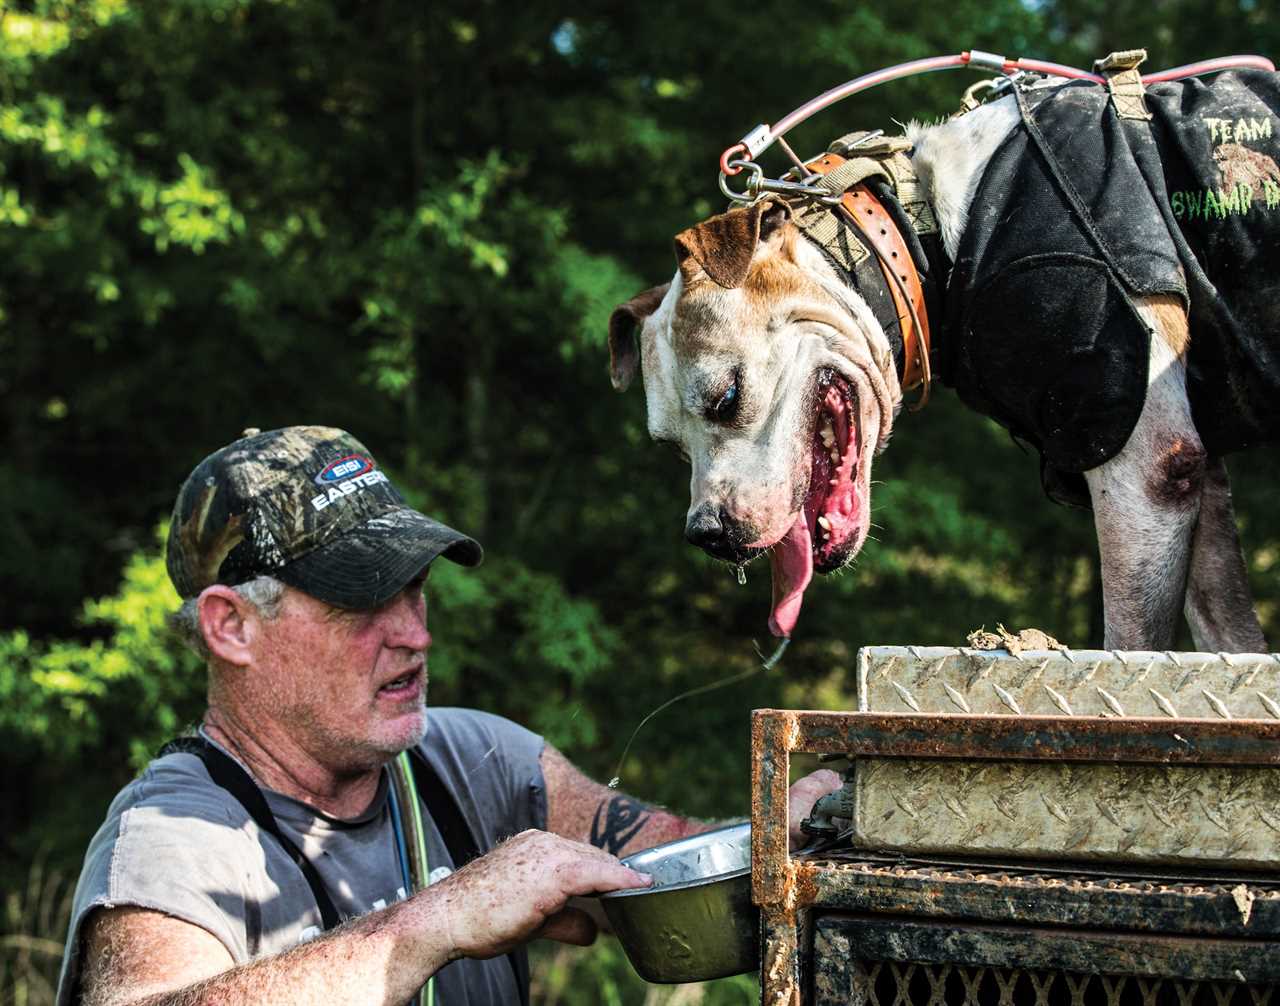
(1219, 604)
(1145, 547)
(1147, 498)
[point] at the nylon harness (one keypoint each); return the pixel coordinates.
(883, 240)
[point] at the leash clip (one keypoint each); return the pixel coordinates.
(995, 87)
(750, 191)
(758, 185)
(801, 190)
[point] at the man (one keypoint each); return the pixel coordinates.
(266, 861)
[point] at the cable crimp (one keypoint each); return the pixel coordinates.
(980, 60)
(757, 141)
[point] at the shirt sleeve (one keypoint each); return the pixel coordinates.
(171, 842)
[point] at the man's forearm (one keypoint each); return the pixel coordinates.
(623, 825)
(499, 901)
(618, 823)
(382, 958)
(585, 810)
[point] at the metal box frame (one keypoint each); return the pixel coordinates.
(1161, 922)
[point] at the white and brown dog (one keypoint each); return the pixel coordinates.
(1100, 280)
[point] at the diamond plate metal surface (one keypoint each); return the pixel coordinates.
(937, 679)
(1207, 815)
(1188, 815)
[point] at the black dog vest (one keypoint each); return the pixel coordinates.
(1079, 212)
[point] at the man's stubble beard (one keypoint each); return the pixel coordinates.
(342, 751)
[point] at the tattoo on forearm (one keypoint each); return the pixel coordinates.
(616, 822)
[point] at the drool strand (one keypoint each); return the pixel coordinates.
(765, 666)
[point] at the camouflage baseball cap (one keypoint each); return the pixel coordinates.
(309, 506)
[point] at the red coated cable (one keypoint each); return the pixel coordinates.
(762, 137)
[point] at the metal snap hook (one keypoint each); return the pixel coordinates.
(751, 189)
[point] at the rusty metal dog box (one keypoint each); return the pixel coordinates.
(1048, 828)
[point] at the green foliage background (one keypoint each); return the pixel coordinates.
(412, 220)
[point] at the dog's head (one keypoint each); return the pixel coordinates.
(776, 383)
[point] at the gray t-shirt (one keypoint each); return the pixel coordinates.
(176, 842)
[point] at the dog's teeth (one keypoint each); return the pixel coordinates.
(835, 458)
(834, 482)
(824, 522)
(826, 536)
(827, 434)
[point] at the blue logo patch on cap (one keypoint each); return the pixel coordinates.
(349, 467)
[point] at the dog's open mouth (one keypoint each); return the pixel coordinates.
(831, 508)
(825, 531)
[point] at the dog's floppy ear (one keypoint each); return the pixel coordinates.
(624, 355)
(723, 246)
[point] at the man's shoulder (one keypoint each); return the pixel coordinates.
(167, 830)
(177, 787)
(173, 842)
(470, 739)
(454, 728)
(493, 767)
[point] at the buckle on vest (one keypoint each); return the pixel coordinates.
(868, 143)
(1124, 82)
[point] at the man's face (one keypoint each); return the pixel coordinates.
(349, 686)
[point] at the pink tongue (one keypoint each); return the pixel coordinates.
(792, 563)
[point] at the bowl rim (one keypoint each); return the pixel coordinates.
(684, 885)
(689, 841)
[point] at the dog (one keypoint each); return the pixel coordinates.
(1092, 266)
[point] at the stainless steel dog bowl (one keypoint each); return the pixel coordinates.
(696, 922)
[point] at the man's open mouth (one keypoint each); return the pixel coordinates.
(826, 530)
(404, 686)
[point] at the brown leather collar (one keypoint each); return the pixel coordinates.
(869, 217)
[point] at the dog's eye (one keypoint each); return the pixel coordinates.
(727, 407)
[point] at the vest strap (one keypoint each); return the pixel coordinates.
(1125, 83)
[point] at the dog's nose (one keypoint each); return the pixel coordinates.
(706, 527)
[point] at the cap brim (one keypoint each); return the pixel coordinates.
(371, 563)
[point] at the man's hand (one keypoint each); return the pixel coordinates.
(518, 892)
(801, 797)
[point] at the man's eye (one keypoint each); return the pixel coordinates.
(727, 407)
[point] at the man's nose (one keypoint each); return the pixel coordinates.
(408, 627)
(706, 526)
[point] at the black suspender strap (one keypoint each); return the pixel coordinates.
(227, 773)
(444, 811)
(459, 840)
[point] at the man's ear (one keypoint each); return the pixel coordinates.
(624, 353)
(225, 624)
(724, 245)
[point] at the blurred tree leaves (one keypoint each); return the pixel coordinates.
(413, 221)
